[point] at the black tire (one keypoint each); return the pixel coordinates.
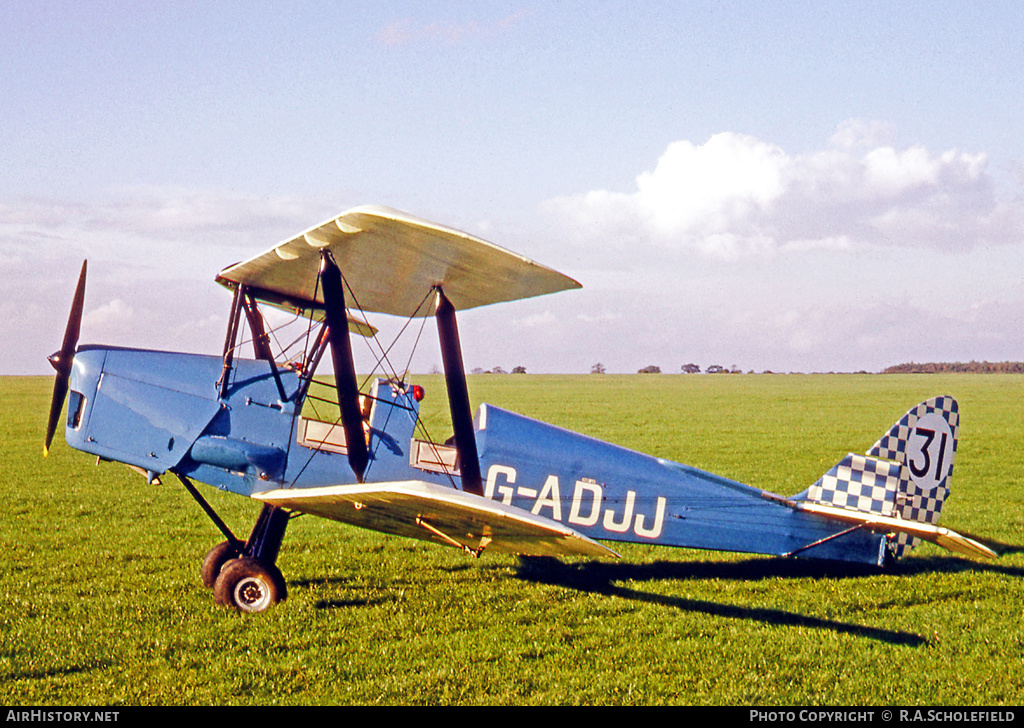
(247, 585)
(214, 561)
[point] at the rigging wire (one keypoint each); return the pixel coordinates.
(383, 358)
(393, 374)
(382, 363)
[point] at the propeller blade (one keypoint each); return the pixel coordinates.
(63, 359)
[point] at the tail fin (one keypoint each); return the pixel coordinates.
(924, 442)
(906, 474)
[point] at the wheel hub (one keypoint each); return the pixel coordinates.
(252, 595)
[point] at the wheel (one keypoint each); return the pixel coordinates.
(249, 585)
(214, 561)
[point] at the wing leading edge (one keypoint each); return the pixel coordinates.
(391, 260)
(421, 510)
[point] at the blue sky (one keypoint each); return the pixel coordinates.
(793, 186)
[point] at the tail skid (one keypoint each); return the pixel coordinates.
(899, 486)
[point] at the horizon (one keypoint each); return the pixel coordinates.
(986, 367)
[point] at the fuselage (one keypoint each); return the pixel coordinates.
(160, 411)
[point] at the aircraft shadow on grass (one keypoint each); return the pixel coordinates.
(606, 578)
(353, 598)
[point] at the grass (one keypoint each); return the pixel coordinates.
(102, 602)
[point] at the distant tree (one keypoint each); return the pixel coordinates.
(597, 368)
(691, 369)
(478, 370)
(498, 370)
(716, 369)
(649, 370)
(519, 370)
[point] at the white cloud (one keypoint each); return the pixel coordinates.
(737, 197)
(110, 314)
(598, 318)
(153, 253)
(154, 231)
(535, 320)
(856, 255)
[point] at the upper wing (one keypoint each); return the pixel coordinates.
(390, 260)
(428, 512)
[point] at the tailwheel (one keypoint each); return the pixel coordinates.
(249, 585)
(215, 560)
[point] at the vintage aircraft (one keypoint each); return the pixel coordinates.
(504, 483)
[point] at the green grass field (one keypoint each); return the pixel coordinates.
(102, 602)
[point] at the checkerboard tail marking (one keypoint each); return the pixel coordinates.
(905, 475)
(923, 443)
(859, 483)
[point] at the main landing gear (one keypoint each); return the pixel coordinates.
(244, 576)
(245, 583)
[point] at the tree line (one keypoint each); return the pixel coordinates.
(972, 367)
(957, 367)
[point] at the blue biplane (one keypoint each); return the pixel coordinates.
(503, 483)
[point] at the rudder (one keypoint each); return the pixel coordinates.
(924, 443)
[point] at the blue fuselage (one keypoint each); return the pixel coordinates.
(159, 411)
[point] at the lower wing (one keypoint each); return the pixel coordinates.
(421, 510)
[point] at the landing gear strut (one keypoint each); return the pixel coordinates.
(244, 576)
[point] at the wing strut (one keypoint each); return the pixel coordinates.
(458, 395)
(474, 552)
(229, 341)
(261, 340)
(344, 366)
